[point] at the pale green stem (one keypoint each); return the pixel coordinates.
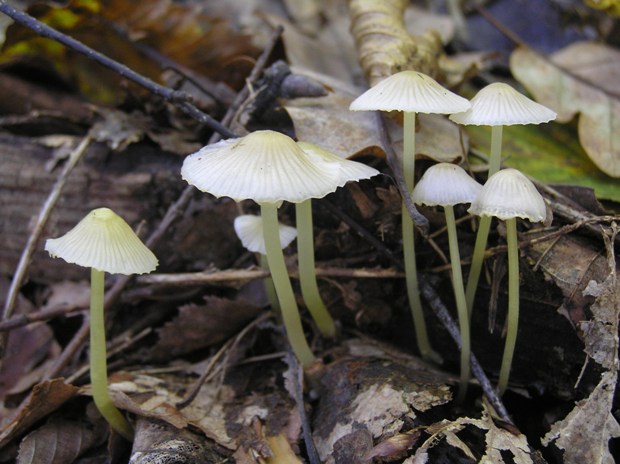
(269, 288)
(282, 283)
(513, 304)
(98, 361)
(476, 261)
(307, 271)
(461, 305)
(411, 272)
(495, 159)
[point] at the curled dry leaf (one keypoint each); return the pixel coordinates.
(581, 78)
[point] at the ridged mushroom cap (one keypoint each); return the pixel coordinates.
(509, 194)
(498, 104)
(264, 166)
(348, 170)
(445, 184)
(104, 241)
(410, 91)
(249, 229)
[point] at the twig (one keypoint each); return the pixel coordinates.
(296, 378)
(430, 295)
(46, 209)
(179, 99)
(418, 219)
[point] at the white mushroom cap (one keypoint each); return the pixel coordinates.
(348, 170)
(410, 91)
(445, 184)
(508, 194)
(264, 166)
(249, 229)
(498, 104)
(104, 241)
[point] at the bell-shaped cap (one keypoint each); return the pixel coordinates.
(348, 170)
(498, 104)
(264, 166)
(104, 241)
(412, 92)
(445, 184)
(249, 229)
(509, 194)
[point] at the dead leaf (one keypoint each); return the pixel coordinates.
(59, 441)
(199, 326)
(324, 121)
(45, 398)
(585, 432)
(581, 78)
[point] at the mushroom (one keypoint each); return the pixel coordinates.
(104, 242)
(496, 105)
(446, 185)
(269, 168)
(249, 229)
(411, 92)
(348, 171)
(507, 195)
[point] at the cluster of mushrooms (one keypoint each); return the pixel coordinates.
(270, 168)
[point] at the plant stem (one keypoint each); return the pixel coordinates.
(98, 361)
(282, 283)
(269, 288)
(513, 304)
(411, 271)
(461, 305)
(476, 261)
(495, 159)
(307, 272)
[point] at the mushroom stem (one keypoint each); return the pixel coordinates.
(98, 361)
(269, 288)
(411, 271)
(513, 304)
(485, 223)
(461, 305)
(307, 271)
(282, 284)
(476, 261)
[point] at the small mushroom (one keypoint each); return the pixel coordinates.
(269, 168)
(496, 105)
(104, 242)
(508, 195)
(348, 171)
(249, 229)
(411, 92)
(446, 185)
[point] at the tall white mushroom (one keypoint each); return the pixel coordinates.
(269, 168)
(508, 195)
(446, 185)
(411, 92)
(496, 105)
(104, 242)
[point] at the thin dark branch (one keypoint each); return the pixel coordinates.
(418, 219)
(179, 99)
(432, 298)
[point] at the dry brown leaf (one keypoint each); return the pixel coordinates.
(581, 78)
(327, 122)
(585, 432)
(199, 326)
(59, 441)
(46, 397)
